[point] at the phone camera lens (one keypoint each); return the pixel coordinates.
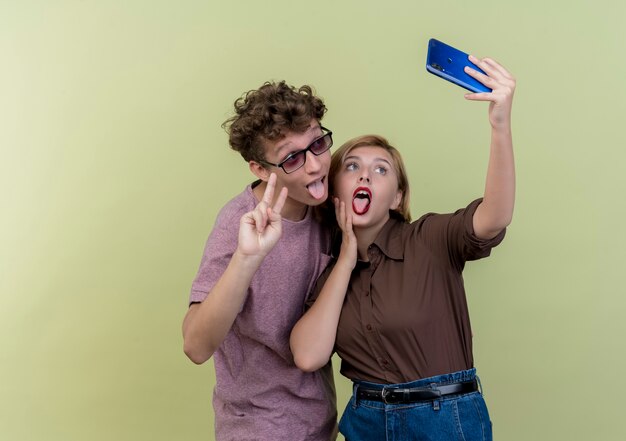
(436, 66)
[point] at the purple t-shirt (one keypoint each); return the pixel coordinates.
(260, 394)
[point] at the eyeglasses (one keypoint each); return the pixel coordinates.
(297, 159)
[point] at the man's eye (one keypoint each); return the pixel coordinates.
(291, 159)
(317, 144)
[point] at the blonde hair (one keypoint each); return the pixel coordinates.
(403, 211)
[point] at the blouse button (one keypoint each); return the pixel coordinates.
(369, 327)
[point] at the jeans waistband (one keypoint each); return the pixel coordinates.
(424, 389)
(408, 395)
(454, 377)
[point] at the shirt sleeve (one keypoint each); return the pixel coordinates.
(217, 254)
(474, 247)
(455, 232)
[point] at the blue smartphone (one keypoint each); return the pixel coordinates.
(448, 63)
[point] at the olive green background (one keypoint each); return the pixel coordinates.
(113, 166)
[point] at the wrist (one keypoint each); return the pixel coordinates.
(501, 129)
(345, 263)
(247, 261)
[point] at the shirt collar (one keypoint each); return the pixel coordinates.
(389, 240)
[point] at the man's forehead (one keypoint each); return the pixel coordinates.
(289, 139)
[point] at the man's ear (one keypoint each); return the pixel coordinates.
(259, 171)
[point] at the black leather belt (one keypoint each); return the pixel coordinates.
(391, 395)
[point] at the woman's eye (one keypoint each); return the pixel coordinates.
(381, 170)
(351, 166)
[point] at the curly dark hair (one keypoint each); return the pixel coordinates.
(267, 113)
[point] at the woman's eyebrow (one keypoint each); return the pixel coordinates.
(358, 158)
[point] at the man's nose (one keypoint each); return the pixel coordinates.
(313, 163)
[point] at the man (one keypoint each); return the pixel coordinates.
(260, 262)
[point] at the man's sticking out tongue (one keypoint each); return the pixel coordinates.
(316, 189)
(361, 202)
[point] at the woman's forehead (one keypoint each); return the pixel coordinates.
(372, 151)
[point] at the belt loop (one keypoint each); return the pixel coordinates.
(436, 403)
(480, 385)
(355, 395)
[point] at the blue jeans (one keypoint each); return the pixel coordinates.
(454, 417)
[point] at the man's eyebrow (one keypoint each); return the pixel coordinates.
(280, 147)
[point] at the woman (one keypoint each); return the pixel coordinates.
(393, 303)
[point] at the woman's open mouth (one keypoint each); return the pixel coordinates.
(361, 199)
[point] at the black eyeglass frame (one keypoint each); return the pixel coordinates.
(303, 152)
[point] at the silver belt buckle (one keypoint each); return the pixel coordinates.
(385, 393)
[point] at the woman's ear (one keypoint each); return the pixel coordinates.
(397, 200)
(259, 171)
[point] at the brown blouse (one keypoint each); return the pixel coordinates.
(405, 315)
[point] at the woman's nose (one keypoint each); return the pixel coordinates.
(364, 178)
